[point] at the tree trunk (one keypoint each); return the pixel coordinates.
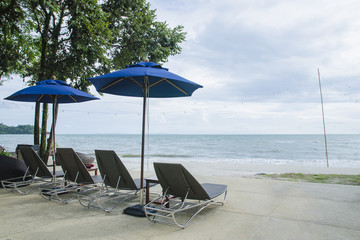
(49, 147)
(37, 124)
(43, 133)
(42, 76)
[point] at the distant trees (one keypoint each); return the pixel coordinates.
(20, 129)
(78, 39)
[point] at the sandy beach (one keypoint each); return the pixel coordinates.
(255, 209)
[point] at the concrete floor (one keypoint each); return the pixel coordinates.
(255, 209)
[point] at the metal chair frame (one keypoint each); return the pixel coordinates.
(106, 194)
(73, 188)
(181, 193)
(172, 206)
(19, 184)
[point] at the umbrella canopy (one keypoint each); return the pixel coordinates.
(47, 90)
(51, 91)
(144, 79)
(132, 80)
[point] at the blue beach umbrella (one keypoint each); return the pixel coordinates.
(144, 79)
(51, 91)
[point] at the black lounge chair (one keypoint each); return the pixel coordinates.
(181, 192)
(78, 179)
(37, 172)
(12, 168)
(118, 185)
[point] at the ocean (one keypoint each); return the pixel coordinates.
(294, 150)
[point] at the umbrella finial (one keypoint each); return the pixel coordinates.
(53, 77)
(146, 60)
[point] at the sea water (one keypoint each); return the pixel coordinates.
(296, 150)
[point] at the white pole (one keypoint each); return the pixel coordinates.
(323, 118)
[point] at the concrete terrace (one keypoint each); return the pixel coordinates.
(255, 209)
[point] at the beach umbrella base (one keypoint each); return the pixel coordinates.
(136, 210)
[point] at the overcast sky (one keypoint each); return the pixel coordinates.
(257, 61)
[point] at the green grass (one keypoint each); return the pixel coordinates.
(316, 178)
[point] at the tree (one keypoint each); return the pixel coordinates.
(137, 35)
(20, 129)
(14, 39)
(77, 39)
(11, 19)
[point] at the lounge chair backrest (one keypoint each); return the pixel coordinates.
(34, 162)
(111, 168)
(178, 181)
(73, 167)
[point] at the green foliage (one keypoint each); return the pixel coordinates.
(75, 40)
(317, 178)
(20, 129)
(15, 40)
(5, 153)
(136, 35)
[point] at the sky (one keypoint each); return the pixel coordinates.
(258, 63)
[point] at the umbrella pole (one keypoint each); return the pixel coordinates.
(138, 210)
(143, 148)
(53, 137)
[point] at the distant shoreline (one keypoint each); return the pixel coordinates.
(20, 129)
(198, 134)
(16, 133)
